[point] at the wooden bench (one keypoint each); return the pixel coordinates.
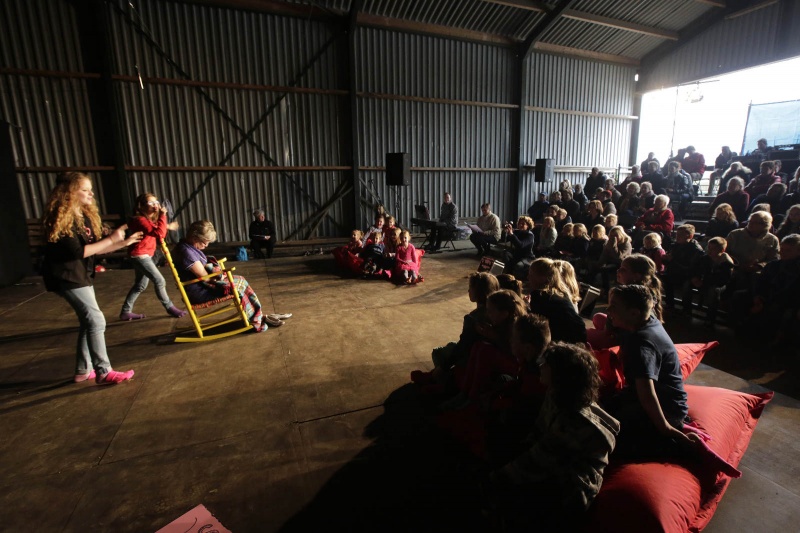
(37, 240)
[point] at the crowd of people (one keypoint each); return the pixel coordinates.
(75, 237)
(383, 251)
(527, 354)
(524, 379)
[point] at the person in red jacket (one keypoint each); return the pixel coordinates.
(761, 183)
(694, 163)
(151, 220)
(658, 219)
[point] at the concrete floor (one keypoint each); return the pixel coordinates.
(306, 426)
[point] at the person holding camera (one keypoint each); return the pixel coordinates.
(522, 240)
(151, 221)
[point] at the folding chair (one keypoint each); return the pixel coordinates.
(234, 304)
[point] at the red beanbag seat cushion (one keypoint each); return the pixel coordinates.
(690, 355)
(679, 497)
(610, 364)
(347, 260)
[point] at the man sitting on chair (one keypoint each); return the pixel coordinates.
(262, 235)
(489, 224)
(445, 225)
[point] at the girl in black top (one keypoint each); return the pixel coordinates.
(72, 226)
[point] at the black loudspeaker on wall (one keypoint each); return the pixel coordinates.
(545, 170)
(398, 169)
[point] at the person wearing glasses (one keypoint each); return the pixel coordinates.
(191, 263)
(151, 220)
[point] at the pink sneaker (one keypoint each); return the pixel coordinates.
(177, 313)
(80, 378)
(113, 377)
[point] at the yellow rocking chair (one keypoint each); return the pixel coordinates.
(234, 304)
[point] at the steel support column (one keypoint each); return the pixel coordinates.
(352, 125)
(95, 42)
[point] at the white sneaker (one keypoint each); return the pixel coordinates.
(280, 316)
(274, 322)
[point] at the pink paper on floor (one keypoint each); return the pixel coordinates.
(198, 520)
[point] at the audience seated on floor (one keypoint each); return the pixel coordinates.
(709, 278)
(769, 309)
(680, 262)
(615, 250)
(552, 298)
(481, 285)
(635, 269)
(651, 247)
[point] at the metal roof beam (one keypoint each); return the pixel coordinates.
(620, 24)
(573, 14)
(366, 19)
(695, 28)
(586, 54)
(715, 3)
(545, 24)
(750, 9)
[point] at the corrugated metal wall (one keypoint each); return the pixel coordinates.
(51, 116)
(192, 126)
(461, 143)
(763, 36)
(436, 135)
(559, 83)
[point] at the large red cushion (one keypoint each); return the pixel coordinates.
(690, 355)
(610, 364)
(672, 497)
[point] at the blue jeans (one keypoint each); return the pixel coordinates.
(91, 352)
(146, 270)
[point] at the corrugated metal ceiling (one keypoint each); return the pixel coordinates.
(516, 23)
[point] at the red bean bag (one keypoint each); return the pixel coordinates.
(667, 497)
(610, 364)
(348, 261)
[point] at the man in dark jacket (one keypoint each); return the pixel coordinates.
(262, 235)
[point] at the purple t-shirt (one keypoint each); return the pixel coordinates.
(184, 255)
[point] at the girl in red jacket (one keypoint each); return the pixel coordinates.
(151, 220)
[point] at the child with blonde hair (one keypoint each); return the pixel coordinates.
(503, 307)
(651, 247)
(595, 250)
(580, 242)
(356, 243)
(406, 259)
(568, 281)
(551, 298)
(610, 222)
(564, 241)
(547, 237)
